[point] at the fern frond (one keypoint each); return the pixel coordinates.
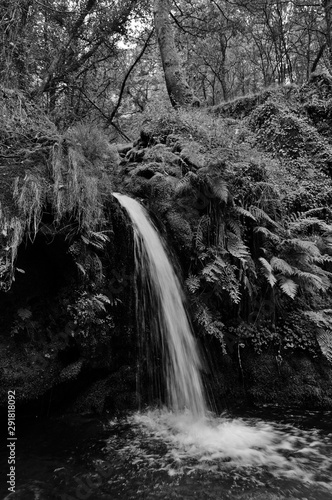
(322, 318)
(245, 213)
(204, 318)
(311, 279)
(214, 271)
(268, 271)
(203, 225)
(303, 224)
(260, 215)
(306, 246)
(185, 184)
(236, 247)
(193, 283)
(288, 286)
(235, 227)
(281, 265)
(220, 190)
(323, 259)
(324, 339)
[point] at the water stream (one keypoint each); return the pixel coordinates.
(182, 451)
(169, 321)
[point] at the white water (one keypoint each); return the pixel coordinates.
(226, 446)
(170, 322)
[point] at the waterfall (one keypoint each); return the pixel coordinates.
(169, 321)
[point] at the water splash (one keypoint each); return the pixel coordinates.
(223, 445)
(169, 320)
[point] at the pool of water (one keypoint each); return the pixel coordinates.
(263, 454)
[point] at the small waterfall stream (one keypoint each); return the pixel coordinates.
(170, 453)
(170, 322)
(248, 453)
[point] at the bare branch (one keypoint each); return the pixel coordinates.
(138, 58)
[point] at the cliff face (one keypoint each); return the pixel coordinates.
(241, 191)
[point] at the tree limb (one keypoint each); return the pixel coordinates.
(103, 114)
(138, 58)
(317, 58)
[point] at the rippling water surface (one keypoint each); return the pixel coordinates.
(158, 455)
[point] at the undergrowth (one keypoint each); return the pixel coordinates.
(68, 175)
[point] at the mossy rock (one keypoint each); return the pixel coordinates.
(290, 136)
(148, 170)
(295, 380)
(242, 107)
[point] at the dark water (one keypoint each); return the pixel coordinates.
(264, 455)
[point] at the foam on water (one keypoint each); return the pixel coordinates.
(221, 443)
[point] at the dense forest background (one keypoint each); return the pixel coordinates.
(100, 60)
(218, 116)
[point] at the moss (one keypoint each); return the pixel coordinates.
(292, 381)
(242, 107)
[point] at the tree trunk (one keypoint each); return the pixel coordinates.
(178, 89)
(327, 5)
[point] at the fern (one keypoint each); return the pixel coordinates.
(193, 283)
(323, 259)
(221, 275)
(204, 318)
(236, 247)
(288, 286)
(215, 270)
(304, 224)
(322, 318)
(307, 247)
(260, 215)
(235, 227)
(324, 339)
(281, 265)
(268, 271)
(203, 225)
(314, 281)
(219, 189)
(185, 185)
(245, 213)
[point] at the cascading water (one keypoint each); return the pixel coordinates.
(182, 364)
(163, 454)
(221, 455)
